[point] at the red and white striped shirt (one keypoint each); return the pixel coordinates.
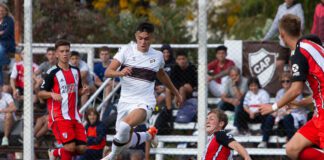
(66, 83)
(18, 73)
(308, 65)
(217, 146)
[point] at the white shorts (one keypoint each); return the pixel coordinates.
(124, 108)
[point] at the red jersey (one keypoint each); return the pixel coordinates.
(66, 83)
(308, 65)
(216, 68)
(217, 146)
(18, 73)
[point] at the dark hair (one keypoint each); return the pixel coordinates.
(103, 49)
(222, 117)
(312, 37)
(167, 47)
(62, 42)
(291, 25)
(181, 53)
(254, 80)
(75, 53)
(221, 48)
(50, 49)
(89, 111)
(145, 27)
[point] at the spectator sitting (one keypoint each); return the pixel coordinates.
(169, 63)
(7, 115)
(100, 68)
(86, 77)
(253, 98)
(7, 37)
(96, 136)
(43, 67)
(290, 119)
(41, 128)
(184, 77)
(219, 70)
(318, 21)
(234, 90)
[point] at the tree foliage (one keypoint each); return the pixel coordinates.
(109, 21)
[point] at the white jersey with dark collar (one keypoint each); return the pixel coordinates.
(139, 86)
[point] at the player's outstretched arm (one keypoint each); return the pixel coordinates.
(112, 72)
(240, 149)
(295, 90)
(165, 79)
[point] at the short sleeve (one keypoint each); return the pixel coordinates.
(299, 66)
(265, 98)
(120, 55)
(247, 99)
(224, 138)
(162, 62)
(14, 72)
(84, 66)
(48, 82)
(8, 98)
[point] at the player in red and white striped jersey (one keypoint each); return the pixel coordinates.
(307, 61)
(220, 143)
(62, 88)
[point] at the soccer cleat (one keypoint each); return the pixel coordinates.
(5, 141)
(154, 140)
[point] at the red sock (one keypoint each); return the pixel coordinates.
(311, 154)
(64, 154)
(56, 152)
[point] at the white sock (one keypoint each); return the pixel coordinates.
(139, 138)
(121, 138)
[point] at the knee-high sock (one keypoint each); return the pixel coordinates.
(121, 138)
(64, 154)
(139, 138)
(311, 154)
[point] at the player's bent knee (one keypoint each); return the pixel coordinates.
(292, 150)
(70, 147)
(81, 149)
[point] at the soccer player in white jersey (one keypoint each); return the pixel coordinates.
(140, 66)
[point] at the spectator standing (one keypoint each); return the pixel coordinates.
(17, 78)
(288, 7)
(7, 115)
(318, 21)
(7, 37)
(218, 69)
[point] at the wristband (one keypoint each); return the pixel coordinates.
(274, 107)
